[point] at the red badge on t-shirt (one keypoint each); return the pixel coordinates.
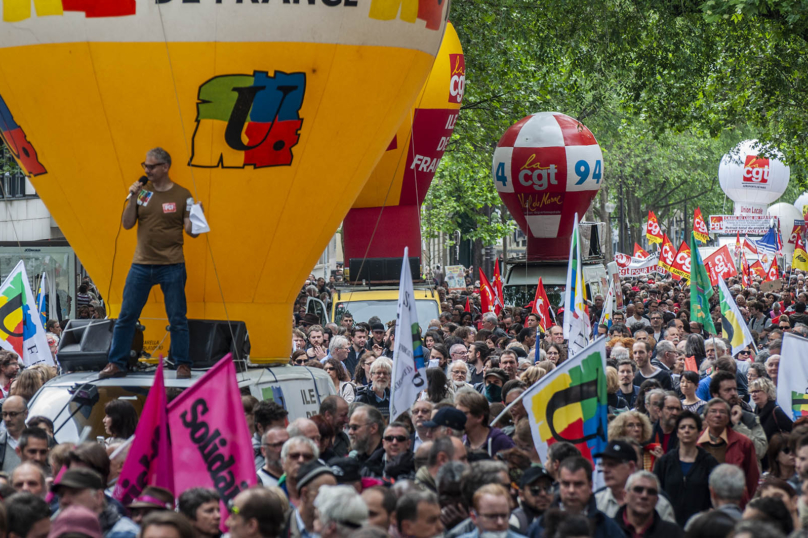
(170, 207)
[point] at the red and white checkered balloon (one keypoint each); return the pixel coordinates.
(547, 167)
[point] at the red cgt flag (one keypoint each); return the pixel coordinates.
(774, 272)
(639, 252)
(487, 297)
(652, 230)
(541, 306)
(700, 227)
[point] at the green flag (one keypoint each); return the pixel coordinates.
(700, 289)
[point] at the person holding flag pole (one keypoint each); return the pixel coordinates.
(409, 367)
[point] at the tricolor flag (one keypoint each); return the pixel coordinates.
(541, 306)
(487, 297)
(652, 230)
(700, 227)
(749, 245)
(21, 329)
(769, 243)
(409, 367)
(570, 403)
(577, 326)
(732, 322)
(700, 289)
(639, 252)
(800, 258)
(42, 298)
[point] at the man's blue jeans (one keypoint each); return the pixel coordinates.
(139, 282)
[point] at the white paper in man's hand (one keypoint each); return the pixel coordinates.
(199, 225)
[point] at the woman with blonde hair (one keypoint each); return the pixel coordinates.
(616, 404)
(532, 374)
(631, 424)
(773, 419)
(27, 383)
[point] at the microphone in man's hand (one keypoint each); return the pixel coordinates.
(143, 180)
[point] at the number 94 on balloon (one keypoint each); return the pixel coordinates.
(584, 168)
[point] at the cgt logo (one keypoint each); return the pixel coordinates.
(756, 170)
(457, 82)
(429, 11)
(264, 109)
(683, 260)
(19, 10)
(15, 140)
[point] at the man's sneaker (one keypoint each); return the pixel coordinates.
(111, 370)
(183, 371)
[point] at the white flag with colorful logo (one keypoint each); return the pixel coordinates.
(577, 326)
(42, 295)
(608, 307)
(21, 329)
(792, 377)
(409, 368)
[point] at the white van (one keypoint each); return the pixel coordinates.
(75, 401)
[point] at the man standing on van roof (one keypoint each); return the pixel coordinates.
(161, 209)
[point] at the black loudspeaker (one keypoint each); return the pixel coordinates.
(213, 339)
(85, 344)
(381, 269)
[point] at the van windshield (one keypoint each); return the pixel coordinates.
(385, 310)
(50, 401)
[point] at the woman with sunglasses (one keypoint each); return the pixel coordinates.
(772, 418)
(781, 460)
(299, 357)
(684, 472)
(339, 376)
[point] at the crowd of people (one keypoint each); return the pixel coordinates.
(697, 445)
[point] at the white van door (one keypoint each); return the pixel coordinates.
(299, 389)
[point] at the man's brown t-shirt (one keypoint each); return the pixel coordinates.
(161, 219)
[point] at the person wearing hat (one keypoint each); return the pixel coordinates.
(347, 471)
(491, 387)
(447, 421)
(151, 499)
(310, 478)
(535, 496)
(76, 520)
(309, 320)
(84, 487)
(618, 461)
(376, 342)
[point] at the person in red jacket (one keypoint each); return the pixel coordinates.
(728, 446)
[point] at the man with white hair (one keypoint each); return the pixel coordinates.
(378, 393)
(491, 323)
(339, 348)
(295, 452)
(727, 484)
(340, 511)
(639, 517)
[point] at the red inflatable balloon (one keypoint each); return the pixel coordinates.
(547, 167)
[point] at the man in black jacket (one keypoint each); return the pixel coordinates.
(365, 427)
(639, 518)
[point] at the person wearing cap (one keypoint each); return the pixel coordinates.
(347, 471)
(491, 387)
(479, 435)
(85, 487)
(447, 421)
(76, 520)
(535, 496)
(151, 499)
(638, 517)
(618, 461)
(376, 341)
(340, 512)
(576, 498)
(310, 478)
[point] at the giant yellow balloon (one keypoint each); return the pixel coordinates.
(275, 112)
(385, 216)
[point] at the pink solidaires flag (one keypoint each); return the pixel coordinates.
(149, 462)
(210, 438)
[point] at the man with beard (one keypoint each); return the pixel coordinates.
(478, 353)
(271, 446)
(535, 496)
(664, 431)
(744, 421)
(377, 394)
(335, 411)
(365, 427)
(9, 368)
